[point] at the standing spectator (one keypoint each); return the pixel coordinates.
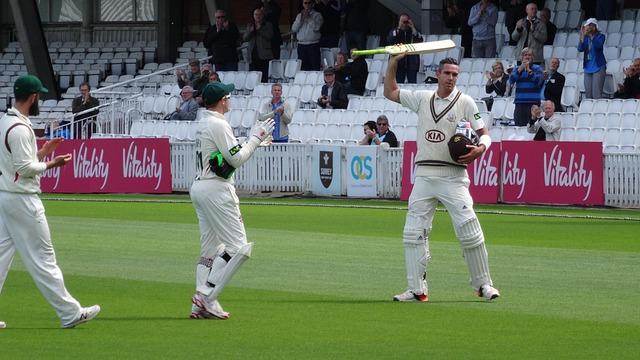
(221, 41)
(355, 23)
(594, 63)
(514, 10)
(280, 112)
(333, 95)
(605, 9)
(552, 29)
(496, 79)
(406, 33)
(307, 28)
(357, 70)
(214, 77)
(588, 8)
(259, 34)
(330, 30)
(630, 88)
(87, 120)
(370, 134)
(23, 224)
(531, 33)
(527, 79)
(384, 134)
(483, 19)
(187, 78)
(546, 126)
(554, 84)
(272, 12)
(440, 178)
(455, 16)
(188, 109)
(341, 68)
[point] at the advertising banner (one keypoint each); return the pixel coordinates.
(111, 166)
(547, 172)
(361, 171)
(325, 170)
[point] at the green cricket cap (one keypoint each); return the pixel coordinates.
(28, 84)
(213, 92)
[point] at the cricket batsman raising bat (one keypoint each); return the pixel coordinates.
(409, 49)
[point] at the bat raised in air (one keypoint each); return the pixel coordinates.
(415, 48)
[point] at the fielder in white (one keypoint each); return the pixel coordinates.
(23, 225)
(439, 178)
(223, 241)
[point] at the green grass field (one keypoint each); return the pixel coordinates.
(320, 282)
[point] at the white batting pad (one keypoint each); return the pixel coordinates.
(416, 256)
(222, 272)
(478, 265)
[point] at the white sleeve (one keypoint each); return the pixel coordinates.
(22, 153)
(410, 99)
(234, 153)
(471, 113)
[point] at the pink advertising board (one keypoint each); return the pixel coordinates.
(483, 174)
(546, 172)
(111, 166)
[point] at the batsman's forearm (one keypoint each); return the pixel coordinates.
(390, 83)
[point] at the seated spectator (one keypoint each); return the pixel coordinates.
(527, 79)
(188, 108)
(188, 77)
(333, 94)
(483, 19)
(202, 81)
(545, 17)
(87, 120)
(214, 77)
(384, 134)
(307, 28)
(221, 41)
(554, 83)
(358, 70)
(406, 33)
(260, 35)
(340, 67)
(281, 112)
(545, 125)
(530, 33)
(56, 130)
(496, 79)
(630, 88)
(370, 134)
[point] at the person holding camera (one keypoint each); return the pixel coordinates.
(333, 95)
(527, 79)
(594, 63)
(545, 125)
(531, 33)
(406, 33)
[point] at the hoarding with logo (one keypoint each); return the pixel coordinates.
(361, 171)
(111, 166)
(325, 170)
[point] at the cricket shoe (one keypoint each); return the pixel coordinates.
(207, 310)
(409, 296)
(488, 292)
(3, 325)
(86, 314)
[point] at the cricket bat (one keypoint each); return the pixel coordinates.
(410, 49)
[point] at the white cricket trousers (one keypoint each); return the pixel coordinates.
(24, 227)
(218, 210)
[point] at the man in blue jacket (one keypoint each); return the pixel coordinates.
(527, 79)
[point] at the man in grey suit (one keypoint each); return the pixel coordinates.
(189, 106)
(530, 33)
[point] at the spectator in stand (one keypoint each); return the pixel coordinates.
(188, 109)
(545, 125)
(370, 134)
(214, 77)
(221, 41)
(455, 16)
(554, 83)
(259, 34)
(496, 79)
(514, 10)
(384, 134)
(356, 23)
(203, 79)
(272, 12)
(588, 8)
(341, 68)
(358, 71)
(594, 63)
(333, 95)
(406, 33)
(630, 88)
(527, 79)
(483, 19)
(281, 112)
(545, 17)
(188, 77)
(531, 33)
(85, 121)
(452, 16)
(330, 30)
(605, 9)
(307, 28)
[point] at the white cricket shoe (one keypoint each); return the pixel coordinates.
(206, 309)
(86, 314)
(488, 292)
(3, 325)
(409, 296)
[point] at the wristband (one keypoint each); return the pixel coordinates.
(486, 141)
